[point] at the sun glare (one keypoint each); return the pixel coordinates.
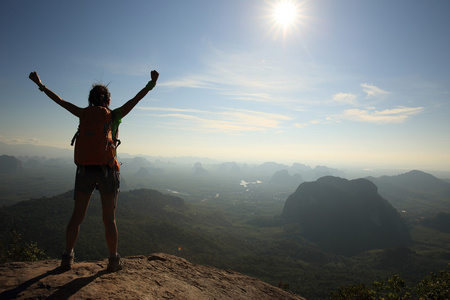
(285, 13)
(285, 16)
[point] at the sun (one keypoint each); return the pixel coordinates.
(285, 13)
(285, 17)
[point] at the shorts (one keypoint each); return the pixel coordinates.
(103, 178)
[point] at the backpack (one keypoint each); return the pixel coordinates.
(95, 144)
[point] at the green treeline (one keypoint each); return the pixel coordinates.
(436, 286)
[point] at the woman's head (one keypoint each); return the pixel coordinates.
(99, 95)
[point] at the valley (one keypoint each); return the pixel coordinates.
(227, 216)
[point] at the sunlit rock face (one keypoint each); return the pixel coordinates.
(345, 217)
(154, 276)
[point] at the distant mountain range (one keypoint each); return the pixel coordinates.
(35, 155)
(133, 163)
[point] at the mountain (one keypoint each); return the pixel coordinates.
(306, 172)
(414, 180)
(142, 172)
(230, 168)
(156, 276)
(135, 164)
(198, 170)
(283, 177)
(270, 167)
(415, 192)
(345, 217)
(9, 164)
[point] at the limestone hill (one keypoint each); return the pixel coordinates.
(157, 276)
(345, 216)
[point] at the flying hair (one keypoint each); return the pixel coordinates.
(99, 95)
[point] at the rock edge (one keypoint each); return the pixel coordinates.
(156, 276)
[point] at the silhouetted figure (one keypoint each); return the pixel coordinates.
(96, 160)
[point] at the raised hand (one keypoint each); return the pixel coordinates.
(35, 78)
(154, 75)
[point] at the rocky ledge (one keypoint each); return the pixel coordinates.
(157, 276)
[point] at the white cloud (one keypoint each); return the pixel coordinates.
(346, 98)
(373, 91)
(396, 115)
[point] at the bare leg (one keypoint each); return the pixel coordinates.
(109, 220)
(79, 211)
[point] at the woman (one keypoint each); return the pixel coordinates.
(104, 175)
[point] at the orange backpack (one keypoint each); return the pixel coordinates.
(95, 144)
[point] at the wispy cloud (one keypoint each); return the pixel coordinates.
(396, 115)
(171, 109)
(301, 125)
(250, 76)
(370, 113)
(346, 98)
(18, 140)
(225, 120)
(372, 90)
(257, 97)
(192, 81)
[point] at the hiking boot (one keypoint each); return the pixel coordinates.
(115, 263)
(67, 261)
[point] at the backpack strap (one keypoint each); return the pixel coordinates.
(75, 136)
(115, 133)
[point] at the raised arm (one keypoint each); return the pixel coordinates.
(75, 110)
(130, 104)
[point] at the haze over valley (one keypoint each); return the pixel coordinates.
(298, 224)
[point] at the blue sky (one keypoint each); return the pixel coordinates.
(351, 82)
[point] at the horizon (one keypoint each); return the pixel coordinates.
(337, 84)
(350, 171)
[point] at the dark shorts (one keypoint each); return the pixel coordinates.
(103, 178)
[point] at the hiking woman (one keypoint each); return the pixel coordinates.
(97, 166)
